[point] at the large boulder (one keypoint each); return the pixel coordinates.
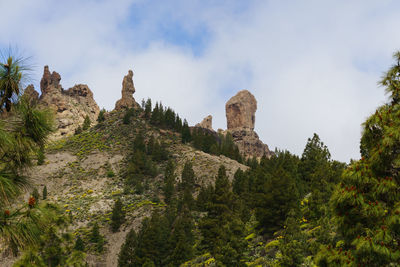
(240, 111)
(128, 89)
(240, 116)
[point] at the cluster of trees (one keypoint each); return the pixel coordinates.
(142, 161)
(167, 238)
(215, 144)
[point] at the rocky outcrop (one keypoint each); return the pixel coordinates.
(30, 94)
(206, 123)
(128, 89)
(240, 116)
(240, 111)
(70, 106)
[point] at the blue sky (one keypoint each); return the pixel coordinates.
(312, 65)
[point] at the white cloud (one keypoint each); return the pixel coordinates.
(313, 66)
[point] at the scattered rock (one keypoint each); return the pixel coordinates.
(206, 123)
(128, 89)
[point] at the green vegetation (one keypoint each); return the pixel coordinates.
(118, 216)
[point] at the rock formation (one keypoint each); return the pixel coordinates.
(240, 116)
(31, 94)
(206, 123)
(240, 111)
(70, 106)
(127, 100)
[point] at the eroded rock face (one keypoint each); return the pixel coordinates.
(240, 116)
(70, 106)
(30, 94)
(128, 89)
(240, 111)
(206, 123)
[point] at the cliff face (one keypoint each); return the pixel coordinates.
(70, 106)
(240, 118)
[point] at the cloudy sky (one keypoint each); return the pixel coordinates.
(312, 65)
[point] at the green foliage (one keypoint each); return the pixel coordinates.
(118, 216)
(169, 182)
(126, 256)
(129, 113)
(86, 123)
(222, 229)
(22, 132)
(79, 244)
(293, 245)
(101, 116)
(366, 203)
(110, 173)
(44, 194)
(186, 135)
(36, 195)
(147, 109)
(40, 155)
(78, 130)
(217, 145)
(11, 74)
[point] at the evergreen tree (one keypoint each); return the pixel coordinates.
(222, 229)
(186, 135)
(78, 130)
(79, 244)
(44, 194)
(293, 245)
(101, 116)
(188, 178)
(40, 155)
(86, 123)
(169, 182)
(366, 203)
(147, 109)
(126, 257)
(276, 195)
(118, 215)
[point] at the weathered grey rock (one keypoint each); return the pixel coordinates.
(128, 89)
(206, 123)
(240, 111)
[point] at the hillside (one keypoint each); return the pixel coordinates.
(83, 174)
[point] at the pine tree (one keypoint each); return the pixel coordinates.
(118, 216)
(40, 155)
(169, 182)
(101, 116)
(188, 178)
(79, 244)
(186, 135)
(44, 194)
(86, 123)
(222, 229)
(366, 203)
(147, 109)
(126, 257)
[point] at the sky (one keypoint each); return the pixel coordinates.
(313, 66)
